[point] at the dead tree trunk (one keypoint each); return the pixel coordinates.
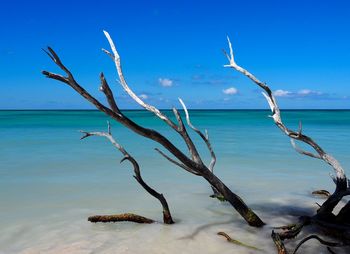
(338, 225)
(193, 164)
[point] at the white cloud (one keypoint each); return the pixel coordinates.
(165, 82)
(301, 93)
(230, 91)
(143, 96)
(281, 93)
(306, 92)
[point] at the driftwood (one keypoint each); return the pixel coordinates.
(234, 241)
(281, 249)
(321, 193)
(336, 225)
(167, 219)
(192, 163)
(120, 217)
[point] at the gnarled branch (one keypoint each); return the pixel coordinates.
(341, 180)
(276, 115)
(324, 213)
(180, 129)
(177, 163)
(167, 218)
(204, 137)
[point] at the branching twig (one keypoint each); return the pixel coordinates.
(166, 212)
(180, 129)
(177, 163)
(204, 137)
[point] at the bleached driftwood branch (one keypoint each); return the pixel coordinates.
(341, 179)
(276, 115)
(204, 137)
(324, 216)
(193, 164)
(167, 218)
(209, 146)
(180, 129)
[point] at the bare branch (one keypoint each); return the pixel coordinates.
(181, 126)
(195, 163)
(342, 183)
(72, 83)
(109, 94)
(276, 115)
(300, 128)
(301, 151)
(177, 163)
(54, 57)
(204, 137)
(149, 133)
(116, 58)
(167, 218)
(180, 129)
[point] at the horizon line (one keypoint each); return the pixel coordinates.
(196, 109)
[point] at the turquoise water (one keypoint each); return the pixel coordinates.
(51, 181)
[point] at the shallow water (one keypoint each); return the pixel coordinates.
(50, 182)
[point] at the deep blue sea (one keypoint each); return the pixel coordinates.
(51, 181)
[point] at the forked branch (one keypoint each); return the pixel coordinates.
(204, 137)
(178, 128)
(276, 115)
(324, 214)
(341, 180)
(167, 219)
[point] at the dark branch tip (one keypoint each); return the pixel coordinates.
(86, 134)
(125, 158)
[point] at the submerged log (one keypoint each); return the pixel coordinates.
(120, 217)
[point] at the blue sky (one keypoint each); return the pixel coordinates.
(172, 49)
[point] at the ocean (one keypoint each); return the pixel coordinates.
(51, 181)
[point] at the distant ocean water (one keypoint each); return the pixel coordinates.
(51, 181)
